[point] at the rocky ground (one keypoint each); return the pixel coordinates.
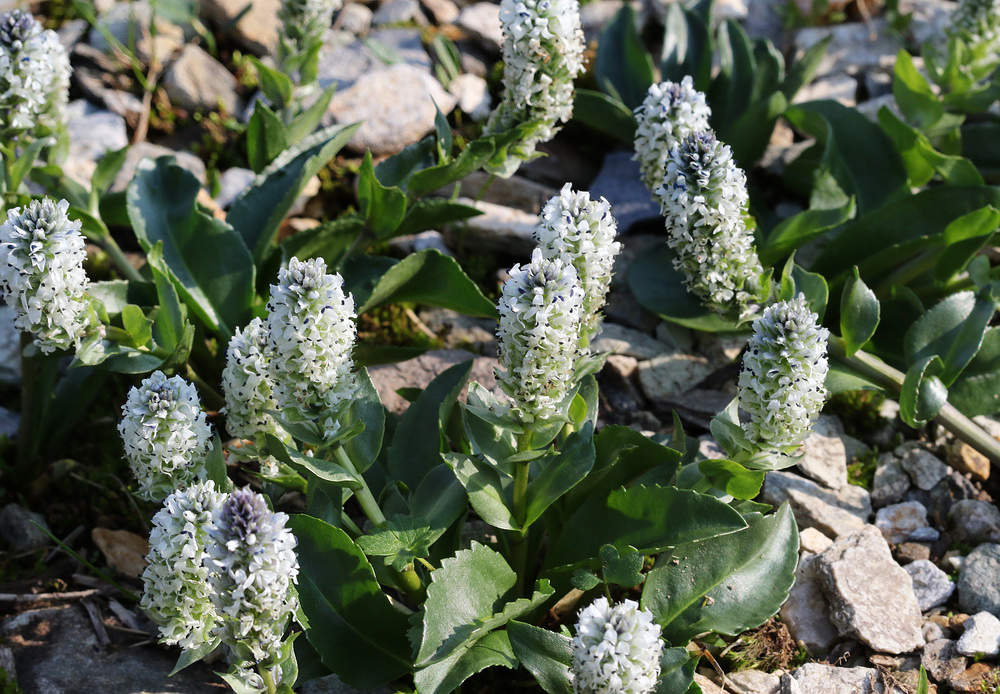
(900, 538)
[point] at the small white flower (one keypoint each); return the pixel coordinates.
(246, 383)
(616, 649)
(254, 572)
(977, 23)
(782, 386)
(541, 311)
(34, 76)
(704, 202)
(42, 275)
(176, 592)
(165, 434)
(670, 112)
(542, 55)
(581, 232)
(311, 333)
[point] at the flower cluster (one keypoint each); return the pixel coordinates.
(781, 386)
(247, 385)
(254, 569)
(670, 112)
(542, 55)
(541, 309)
(303, 24)
(704, 201)
(42, 275)
(581, 232)
(616, 649)
(176, 593)
(34, 76)
(977, 24)
(311, 332)
(165, 434)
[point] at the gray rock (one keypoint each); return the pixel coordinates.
(595, 15)
(824, 456)
(754, 682)
(10, 422)
(17, 531)
(927, 18)
(925, 534)
(932, 632)
(899, 521)
(232, 183)
(354, 18)
(619, 182)
(911, 551)
(834, 513)
(618, 339)
(396, 107)
(813, 678)
(257, 28)
(419, 372)
(461, 332)
(56, 652)
(890, 483)
(128, 21)
(812, 540)
(443, 11)
(854, 48)
(806, 611)
(842, 88)
(924, 468)
(517, 191)
(869, 109)
(482, 20)
(975, 521)
(979, 580)
(941, 660)
(473, 95)
(147, 150)
(92, 132)
(669, 375)
(766, 19)
(399, 12)
(871, 596)
(499, 229)
(931, 585)
(709, 448)
(981, 636)
(423, 241)
(342, 64)
(10, 347)
(197, 81)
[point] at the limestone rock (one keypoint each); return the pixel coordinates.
(92, 132)
(482, 19)
(941, 660)
(979, 580)
(842, 88)
(197, 81)
(824, 456)
(399, 12)
(931, 585)
(834, 513)
(17, 531)
(927, 18)
(232, 183)
(147, 150)
(354, 18)
(871, 596)
(396, 107)
(854, 48)
(128, 21)
(343, 62)
(619, 182)
(899, 521)
(419, 372)
(806, 612)
(924, 468)
(813, 678)
(618, 339)
(257, 29)
(890, 483)
(975, 521)
(812, 540)
(472, 94)
(965, 458)
(125, 552)
(671, 374)
(499, 229)
(981, 636)
(754, 682)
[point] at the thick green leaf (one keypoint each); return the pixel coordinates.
(561, 473)
(750, 133)
(545, 654)
(860, 155)
(470, 594)
(171, 324)
(978, 390)
(396, 170)
(730, 91)
(353, 627)
(623, 68)
(306, 122)
(920, 158)
(647, 518)
(726, 584)
(804, 69)
(107, 170)
(802, 228)
(382, 207)
(859, 313)
(923, 394)
(325, 470)
(266, 137)
(687, 47)
(138, 327)
(416, 445)
(841, 379)
(276, 85)
(429, 277)
(366, 408)
(953, 330)
(964, 238)
(488, 492)
(606, 114)
(433, 213)
(623, 569)
(329, 241)
(492, 650)
(258, 212)
(914, 95)
(472, 158)
(732, 478)
(207, 261)
(676, 671)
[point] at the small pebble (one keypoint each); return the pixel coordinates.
(981, 637)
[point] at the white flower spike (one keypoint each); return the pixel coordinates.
(165, 434)
(311, 333)
(254, 573)
(704, 202)
(670, 112)
(542, 55)
(34, 76)
(581, 232)
(42, 275)
(246, 383)
(303, 25)
(782, 386)
(176, 592)
(616, 649)
(541, 311)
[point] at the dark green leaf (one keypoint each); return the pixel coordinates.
(804, 69)
(964, 238)
(953, 329)
(687, 47)
(366, 408)
(560, 474)
(324, 469)
(545, 654)
(276, 85)
(433, 214)
(357, 633)
(859, 313)
(623, 68)
(841, 378)
(920, 158)
(307, 121)
(726, 584)
(606, 114)
(802, 228)
(923, 394)
(676, 671)
(492, 650)
(732, 478)
(488, 494)
(914, 95)
(621, 569)
(382, 207)
(730, 91)
(978, 390)
(750, 133)
(266, 137)
(106, 171)
(396, 170)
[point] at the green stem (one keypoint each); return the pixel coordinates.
(117, 256)
(364, 495)
(268, 679)
(29, 406)
(892, 379)
(519, 540)
(212, 397)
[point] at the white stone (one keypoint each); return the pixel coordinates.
(473, 95)
(92, 132)
(232, 183)
(197, 81)
(669, 375)
(354, 18)
(899, 521)
(931, 585)
(258, 26)
(833, 512)
(842, 88)
(147, 150)
(981, 636)
(824, 455)
(855, 47)
(618, 339)
(812, 540)
(482, 19)
(499, 229)
(923, 467)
